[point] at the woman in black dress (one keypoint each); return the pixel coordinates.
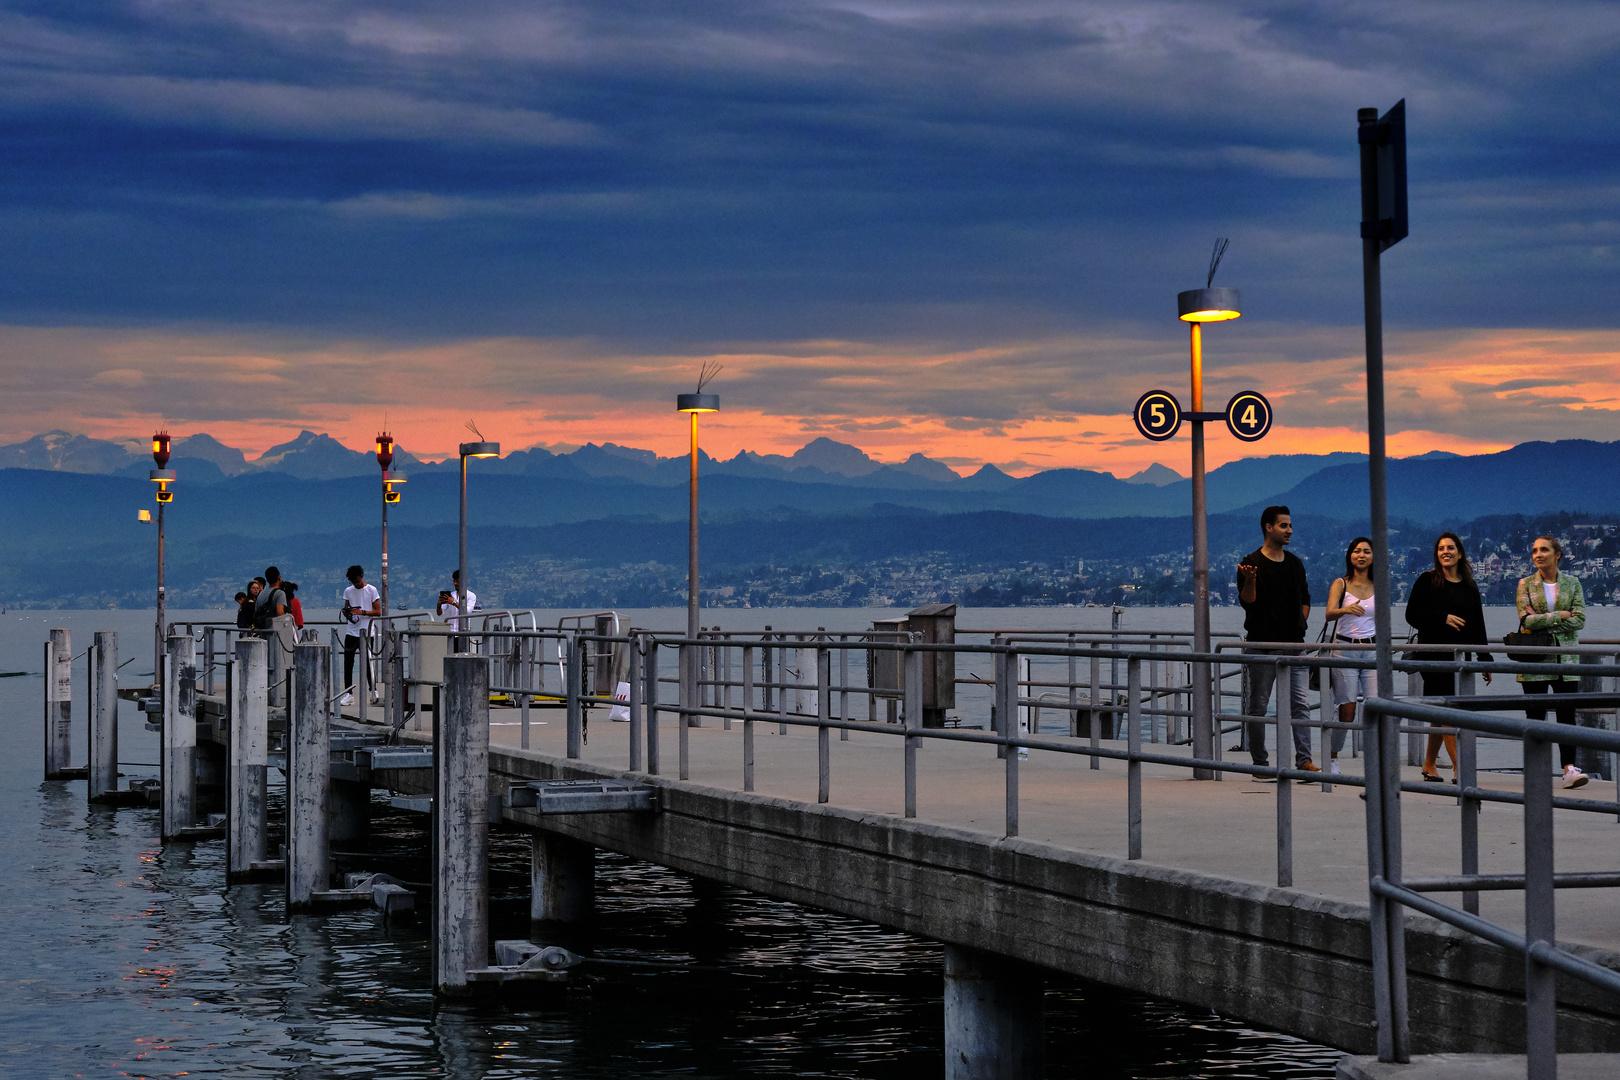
(1445, 609)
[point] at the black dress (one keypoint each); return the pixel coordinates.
(1432, 599)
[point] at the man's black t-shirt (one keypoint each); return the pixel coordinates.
(1280, 591)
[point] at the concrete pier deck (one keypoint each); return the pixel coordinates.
(1197, 920)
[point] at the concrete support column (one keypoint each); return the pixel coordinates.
(994, 1017)
(562, 879)
(104, 714)
(58, 704)
(249, 750)
(460, 938)
(309, 770)
(179, 735)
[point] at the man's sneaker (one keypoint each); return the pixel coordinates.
(376, 698)
(1573, 777)
(1333, 768)
(1308, 766)
(346, 699)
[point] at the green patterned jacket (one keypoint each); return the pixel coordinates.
(1571, 598)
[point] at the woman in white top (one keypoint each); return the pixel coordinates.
(1351, 602)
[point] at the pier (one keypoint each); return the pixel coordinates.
(1083, 846)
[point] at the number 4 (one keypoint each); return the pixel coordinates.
(1248, 419)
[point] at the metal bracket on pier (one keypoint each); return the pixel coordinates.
(394, 757)
(524, 961)
(583, 796)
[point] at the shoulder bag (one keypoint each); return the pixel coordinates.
(1523, 637)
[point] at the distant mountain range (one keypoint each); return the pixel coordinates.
(72, 527)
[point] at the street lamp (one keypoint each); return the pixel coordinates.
(163, 476)
(1195, 307)
(468, 450)
(385, 458)
(692, 405)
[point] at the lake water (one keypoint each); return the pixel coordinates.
(125, 958)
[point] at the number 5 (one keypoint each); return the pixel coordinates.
(1156, 411)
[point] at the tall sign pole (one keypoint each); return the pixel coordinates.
(163, 476)
(1383, 224)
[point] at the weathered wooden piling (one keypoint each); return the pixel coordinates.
(58, 704)
(461, 823)
(994, 1017)
(103, 768)
(309, 770)
(562, 879)
(179, 735)
(249, 750)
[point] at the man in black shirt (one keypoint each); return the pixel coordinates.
(1276, 604)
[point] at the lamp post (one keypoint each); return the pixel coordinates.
(163, 476)
(468, 450)
(1196, 307)
(692, 405)
(385, 458)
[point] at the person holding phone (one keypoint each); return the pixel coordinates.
(1351, 603)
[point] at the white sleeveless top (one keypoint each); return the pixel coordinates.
(1357, 626)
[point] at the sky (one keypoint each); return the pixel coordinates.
(954, 228)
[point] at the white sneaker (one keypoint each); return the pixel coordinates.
(346, 699)
(1333, 768)
(376, 699)
(1573, 777)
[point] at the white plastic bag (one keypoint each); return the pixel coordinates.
(619, 712)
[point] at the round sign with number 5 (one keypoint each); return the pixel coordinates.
(1158, 415)
(1248, 415)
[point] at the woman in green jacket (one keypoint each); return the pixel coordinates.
(1553, 602)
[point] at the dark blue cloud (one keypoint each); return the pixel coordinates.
(674, 173)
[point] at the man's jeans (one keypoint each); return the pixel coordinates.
(1261, 679)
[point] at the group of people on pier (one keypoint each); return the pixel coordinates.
(1444, 609)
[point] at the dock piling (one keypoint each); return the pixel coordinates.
(994, 1017)
(247, 682)
(58, 704)
(460, 938)
(309, 771)
(103, 774)
(562, 879)
(179, 735)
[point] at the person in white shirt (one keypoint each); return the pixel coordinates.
(450, 603)
(361, 603)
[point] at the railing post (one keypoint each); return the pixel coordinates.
(103, 773)
(823, 713)
(1096, 713)
(782, 687)
(309, 773)
(912, 659)
(685, 696)
(748, 712)
(637, 700)
(1467, 779)
(1074, 692)
(1133, 773)
(179, 735)
(571, 694)
(249, 757)
(1386, 918)
(843, 688)
(1540, 982)
(1007, 690)
(649, 670)
(1285, 786)
(723, 654)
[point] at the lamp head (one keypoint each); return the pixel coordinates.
(160, 449)
(480, 449)
(1208, 305)
(696, 403)
(385, 450)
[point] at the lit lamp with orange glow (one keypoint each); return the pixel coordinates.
(163, 476)
(693, 405)
(1195, 307)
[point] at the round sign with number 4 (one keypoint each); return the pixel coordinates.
(1248, 415)
(1158, 415)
